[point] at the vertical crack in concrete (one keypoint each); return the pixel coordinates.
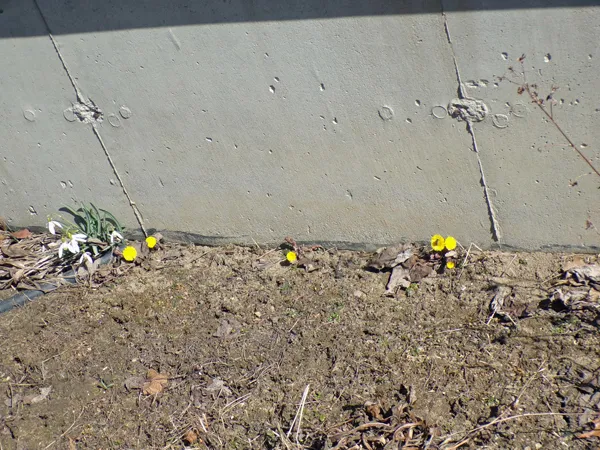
(88, 103)
(134, 207)
(462, 93)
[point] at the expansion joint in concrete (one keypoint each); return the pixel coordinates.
(462, 94)
(86, 111)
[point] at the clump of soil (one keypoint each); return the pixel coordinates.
(229, 348)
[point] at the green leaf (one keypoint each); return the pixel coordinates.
(100, 231)
(88, 221)
(110, 218)
(77, 218)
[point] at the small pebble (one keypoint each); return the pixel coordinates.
(359, 294)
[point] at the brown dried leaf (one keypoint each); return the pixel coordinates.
(389, 257)
(373, 410)
(17, 275)
(155, 382)
(307, 264)
(225, 329)
(577, 261)
(218, 386)
(420, 271)
(32, 399)
(14, 251)
(594, 433)
(588, 272)
(133, 382)
(22, 234)
(152, 387)
(399, 277)
(190, 437)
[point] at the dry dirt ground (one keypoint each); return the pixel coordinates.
(249, 354)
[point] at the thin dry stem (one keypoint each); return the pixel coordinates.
(298, 418)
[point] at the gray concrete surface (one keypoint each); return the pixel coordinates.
(252, 121)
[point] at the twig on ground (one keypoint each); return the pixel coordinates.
(508, 265)
(68, 429)
(464, 263)
(235, 402)
(298, 418)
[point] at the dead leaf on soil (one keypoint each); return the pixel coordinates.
(17, 275)
(589, 272)
(190, 437)
(134, 382)
(390, 257)
(373, 410)
(307, 264)
(594, 433)
(218, 386)
(22, 234)
(155, 382)
(500, 295)
(14, 251)
(262, 264)
(43, 395)
(14, 400)
(577, 261)
(227, 329)
(419, 271)
(399, 277)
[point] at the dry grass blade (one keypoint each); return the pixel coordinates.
(298, 418)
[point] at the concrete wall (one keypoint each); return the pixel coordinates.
(328, 121)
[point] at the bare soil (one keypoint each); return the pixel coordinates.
(241, 341)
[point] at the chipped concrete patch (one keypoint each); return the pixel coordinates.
(467, 109)
(85, 112)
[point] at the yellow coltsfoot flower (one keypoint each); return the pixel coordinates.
(291, 257)
(450, 265)
(450, 243)
(151, 241)
(129, 253)
(437, 242)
